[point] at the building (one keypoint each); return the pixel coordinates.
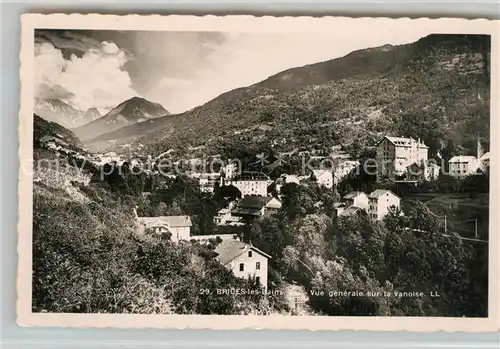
(395, 154)
(244, 260)
(250, 183)
(461, 166)
(423, 171)
(231, 171)
(178, 226)
(357, 199)
(339, 208)
(286, 179)
(381, 201)
(485, 162)
(251, 207)
(343, 169)
(207, 238)
(323, 177)
(225, 217)
(350, 211)
(206, 181)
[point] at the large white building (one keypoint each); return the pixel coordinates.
(250, 183)
(395, 154)
(380, 202)
(461, 166)
(244, 260)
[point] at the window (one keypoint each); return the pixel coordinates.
(242, 266)
(257, 265)
(249, 253)
(257, 280)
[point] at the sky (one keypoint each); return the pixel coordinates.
(181, 70)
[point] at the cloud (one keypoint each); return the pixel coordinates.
(96, 79)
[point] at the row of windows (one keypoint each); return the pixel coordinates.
(242, 266)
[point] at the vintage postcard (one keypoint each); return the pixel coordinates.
(238, 172)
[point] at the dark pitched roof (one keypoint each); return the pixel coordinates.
(228, 250)
(350, 211)
(254, 201)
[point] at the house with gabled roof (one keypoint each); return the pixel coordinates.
(380, 202)
(461, 166)
(244, 260)
(356, 198)
(178, 226)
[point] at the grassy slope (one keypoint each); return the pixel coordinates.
(460, 210)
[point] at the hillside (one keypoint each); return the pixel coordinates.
(129, 112)
(48, 134)
(436, 89)
(64, 114)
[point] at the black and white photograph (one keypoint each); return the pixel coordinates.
(316, 174)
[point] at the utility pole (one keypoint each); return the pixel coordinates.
(475, 226)
(445, 224)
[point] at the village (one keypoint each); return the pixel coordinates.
(398, 159)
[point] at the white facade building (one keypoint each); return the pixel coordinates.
(395, 154)
(461, 166)
(251, 183)
(424, 171)
(380, 203)
(324, 178)
(343, 169)
(244, 260)
(356, 198)
(178, 226)
(231, 170)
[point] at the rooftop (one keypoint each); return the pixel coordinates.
(462, 158)
(350, 211)
(486, 156)
(379, 192)
(254, 201)
(172, 221)
(353, 194)
(228, 250)
(404, 142)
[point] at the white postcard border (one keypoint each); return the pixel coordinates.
(264, 24)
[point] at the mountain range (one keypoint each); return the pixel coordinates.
(64, 114)
(131, 111)
(436, 89)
